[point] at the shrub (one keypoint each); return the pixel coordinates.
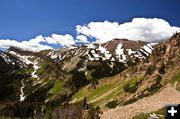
(156, 86)
(126, 87)
(162, 69)
(112, 104)
(132, 85)
(93, 112)
(149, 70)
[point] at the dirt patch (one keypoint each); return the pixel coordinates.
(168, 95)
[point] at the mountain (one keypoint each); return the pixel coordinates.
(155, 81)
(118, 72)
(9, 76)
(9, 63)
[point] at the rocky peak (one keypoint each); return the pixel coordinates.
(167, 51)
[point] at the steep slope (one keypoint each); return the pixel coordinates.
(10, 76)
(162, 68)
(35, 62)
(9, 63)
(150, 104)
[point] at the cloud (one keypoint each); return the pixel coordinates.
(39, 43)
(145, 29)
(32, 44)
(50, 40)
(64, 40)
(82, 38)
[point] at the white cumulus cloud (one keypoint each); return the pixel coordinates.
(39, 43)
(32, 44)
(82, 38)
(145, 29)
(64, 40)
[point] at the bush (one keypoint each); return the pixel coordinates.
(43, 68)
(126, 87)
(158, 79)
(132, 86)
(93, 112)
(156, 86)
(149, 70)
(162, 69)
(112, 104)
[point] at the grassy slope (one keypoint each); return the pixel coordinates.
(105, 85)
(58, 86)
(109, 88)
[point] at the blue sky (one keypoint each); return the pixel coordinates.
(25, 19)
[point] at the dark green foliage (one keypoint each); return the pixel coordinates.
(134, 99)
(126, 87)
(9, 84)
(112, 104)
(158, 79)
(156, 86)
(21, 110)
(162, 69)
(44, 67)
(93, 112)
(77, 80)
(149, 70)
(41, 94)
(85, 104)
(153, 89)
(5, 67)
(132, 62)
(102, 68)
(131, 88)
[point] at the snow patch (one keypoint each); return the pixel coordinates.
(120, 53)
(36, 67)
(6, 58)
(106, 53)
(91, 46)
(130, 52)
(148, 49)
(53, 55)
(22, 96)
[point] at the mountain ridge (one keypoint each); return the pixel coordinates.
(119, 67)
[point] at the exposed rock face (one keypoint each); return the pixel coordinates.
(160, 75)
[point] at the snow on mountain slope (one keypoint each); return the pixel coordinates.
(9, 62)
(118, 49)
(22, 96)
(100, 60)
(27, 60)
(6, 58)
(120, 53)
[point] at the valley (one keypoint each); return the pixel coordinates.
(118, 79)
